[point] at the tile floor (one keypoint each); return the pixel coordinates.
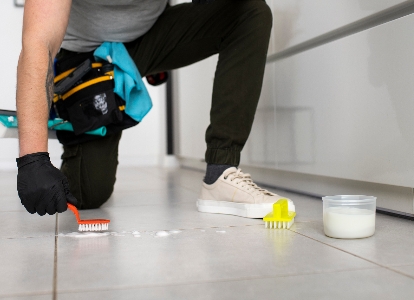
(204, 256)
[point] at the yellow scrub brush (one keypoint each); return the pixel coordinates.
(281, 217)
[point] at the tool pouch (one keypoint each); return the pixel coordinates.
(90, 102)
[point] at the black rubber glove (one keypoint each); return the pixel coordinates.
(42, 188)
(202, 1)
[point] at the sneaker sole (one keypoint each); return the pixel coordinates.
(252, 211)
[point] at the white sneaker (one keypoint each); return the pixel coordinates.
(235, 193)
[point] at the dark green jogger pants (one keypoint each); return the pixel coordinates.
(239, 31)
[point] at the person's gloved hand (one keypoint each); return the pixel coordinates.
(42, 188)
(202, 1)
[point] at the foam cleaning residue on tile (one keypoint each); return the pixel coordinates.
(118, 233)
(92, 234)
(84, 234)
(135, 233)
(162, 234)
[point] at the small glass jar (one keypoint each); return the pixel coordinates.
(349, 216)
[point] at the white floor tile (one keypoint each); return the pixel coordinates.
(193, 256)
(22, 224)
(392, 243)
(357, 285)
(26, 266)
(408, 270)
(29, 297)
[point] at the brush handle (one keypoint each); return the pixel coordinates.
(75, 211)
(92, 221)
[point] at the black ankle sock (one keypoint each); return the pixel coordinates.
(213, 172)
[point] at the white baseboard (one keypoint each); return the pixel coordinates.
(139, 160)
(166, 161)
(124, 161)
(392, 198)
(170, 161)
(11, 165)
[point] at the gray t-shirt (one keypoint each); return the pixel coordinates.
(93, 22)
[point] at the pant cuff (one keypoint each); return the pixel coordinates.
(227, 156)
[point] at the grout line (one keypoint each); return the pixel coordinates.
(353, 254)
(23, 294)
(25, 237)
(204, 228)
(54, 295)
(402, 265)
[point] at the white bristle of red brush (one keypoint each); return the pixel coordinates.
(279, 225)
(93, 227)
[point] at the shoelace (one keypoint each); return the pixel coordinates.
(245, 181)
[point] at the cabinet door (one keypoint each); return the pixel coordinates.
(345, 109)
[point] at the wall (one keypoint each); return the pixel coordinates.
(192, 100)
(10, 31)
(141, 145)
(192, 88)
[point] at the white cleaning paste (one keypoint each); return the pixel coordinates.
(162, 234)
(84, 234)
(221, 231)
(135, 233)
(348, 222)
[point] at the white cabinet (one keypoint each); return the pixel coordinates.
(333, 119)
(344, 109)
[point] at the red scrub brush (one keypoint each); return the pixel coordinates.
(89, 225)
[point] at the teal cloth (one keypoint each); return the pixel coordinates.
(128, 82)
(11, 122)
(8, 121)
(55, 125)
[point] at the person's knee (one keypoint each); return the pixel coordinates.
(91, 170)
(91, 191)
(95, 198)
(259, 13)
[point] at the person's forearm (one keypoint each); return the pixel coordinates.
(44, 26)
(33, 98)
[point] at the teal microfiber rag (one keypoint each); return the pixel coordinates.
(128, 82)
(55, 124)
(8, 121)
(59, 124)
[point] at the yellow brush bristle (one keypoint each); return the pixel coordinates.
(279, 225)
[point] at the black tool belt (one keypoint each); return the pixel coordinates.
(84, 96)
